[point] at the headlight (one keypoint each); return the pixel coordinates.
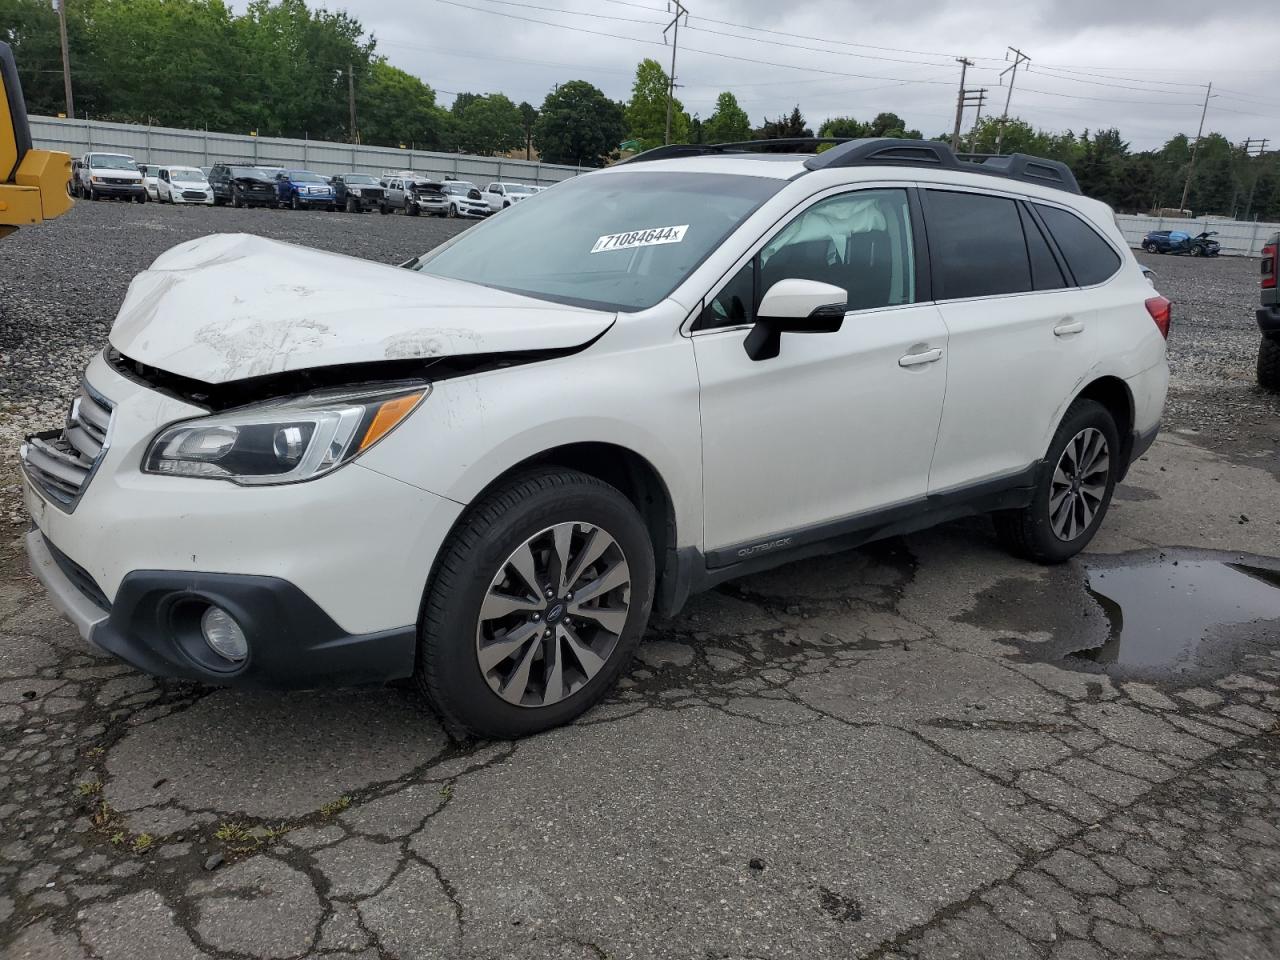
(95, 179)
(354, 190)
(285, 441)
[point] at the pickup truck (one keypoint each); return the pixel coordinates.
(1269, 319)
(499, 196)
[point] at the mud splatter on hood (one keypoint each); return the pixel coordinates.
(231, 306)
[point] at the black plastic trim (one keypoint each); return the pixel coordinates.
(1269, 321)
(920, 241)
(17, 107)
(293, 644)
(1139, 443)
(1003, 493)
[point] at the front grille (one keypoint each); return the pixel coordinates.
(61, 462)
(79, 577)
(371, 194)
(120, 181)
(193, 195)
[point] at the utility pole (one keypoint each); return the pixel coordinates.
(674, 27)
(1250, 146)
(1019, 58)
(351, 103)
(66, 58)
(1186, 187)
(976, 98)
(965, 64)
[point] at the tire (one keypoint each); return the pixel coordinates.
(236, 200)
(382, 209)
(1269, 365)
(352, 206)
(142, 198)
(453, 212)
(1149, 247)
(505, 204)
(476, 556)
(1036, 534)
(93, 195)
(1197, 252)
(293, 203)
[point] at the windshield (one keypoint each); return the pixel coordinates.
(459, 187)
(111, 161)
(517, 188)
(360, 179)
(617, 241)
(253, 172)
(186, 174)
(306, 176)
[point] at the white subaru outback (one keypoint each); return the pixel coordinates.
(487, 468)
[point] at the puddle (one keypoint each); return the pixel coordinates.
(1175, 616)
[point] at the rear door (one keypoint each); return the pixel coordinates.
(1020, 342)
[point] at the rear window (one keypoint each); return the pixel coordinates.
(1090, 258)
(976, 245)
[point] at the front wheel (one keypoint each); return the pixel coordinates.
(1073, 488)
(142, 198)
(536, 604)
(294, 204)
(1269, 365)
(383, 209)
(352, 205)
(1197, 252)
(1149, 247)
(410, 209)
(453, 212)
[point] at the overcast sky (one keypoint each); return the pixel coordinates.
(1094, 63)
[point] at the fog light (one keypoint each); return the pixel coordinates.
(223, 634)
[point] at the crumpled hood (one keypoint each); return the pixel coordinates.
(231, 306)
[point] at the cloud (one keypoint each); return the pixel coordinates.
(1095, 63)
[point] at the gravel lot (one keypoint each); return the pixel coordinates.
(888, 753)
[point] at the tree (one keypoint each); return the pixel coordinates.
(396, 107)
(578, 124)
(729, 123)
(646, 112)
(791, 126)
(844, 127)
(462, 101)
(528, 117)
(490, 124)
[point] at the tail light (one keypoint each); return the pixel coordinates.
(1269, 266)
(1161, 310)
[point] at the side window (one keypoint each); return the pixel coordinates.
(976, 245)
(1045, 272)
(1090, 258)
(734, 304)
(858, 241)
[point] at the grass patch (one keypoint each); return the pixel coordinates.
(334, 807)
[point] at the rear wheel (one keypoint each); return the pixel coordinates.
(1073, 488)
(1269, 365)
(536, 604)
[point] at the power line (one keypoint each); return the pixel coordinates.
(1019, 58)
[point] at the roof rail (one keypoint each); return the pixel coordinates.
(673, 150)
(931, 153)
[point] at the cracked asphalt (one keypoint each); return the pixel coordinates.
(885, 753)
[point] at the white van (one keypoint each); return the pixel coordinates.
(113, 176)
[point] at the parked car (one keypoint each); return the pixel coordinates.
(302, 188)
(412, 194)
(242, 185)
(487, 468)
(149, 177)
(183, 185)
(113, 176)
(1268, 317)
(356, 192)
(1179, 241)
(499, 196)
(465, 199)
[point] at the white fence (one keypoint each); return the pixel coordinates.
(1240, 238)
(200, 148)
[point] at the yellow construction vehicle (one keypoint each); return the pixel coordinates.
(33, 183)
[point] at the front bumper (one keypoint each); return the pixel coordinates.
(177, 197)
(153, 625)
(118, 189)
(1269, 321)
(326, 577)
(316, 200)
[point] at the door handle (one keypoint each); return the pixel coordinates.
(1068, 327)
(919, 359)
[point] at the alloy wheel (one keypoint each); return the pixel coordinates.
(553, 614)
(1079, 484)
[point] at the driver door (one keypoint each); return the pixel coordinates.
(797, 447)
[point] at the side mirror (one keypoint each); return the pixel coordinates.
(794, 306)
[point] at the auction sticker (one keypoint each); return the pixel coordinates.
(651, 237)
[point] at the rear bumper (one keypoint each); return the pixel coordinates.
(1269, 321)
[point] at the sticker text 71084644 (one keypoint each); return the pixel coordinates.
(649, 237)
